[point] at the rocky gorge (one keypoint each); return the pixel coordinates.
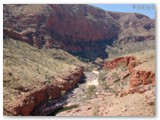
(70, 57)
(81, 30)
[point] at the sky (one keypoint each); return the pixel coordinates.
(146, 9)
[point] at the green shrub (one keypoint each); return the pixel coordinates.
(89, 67)
(122, 65)
(117, 80)
(114, 75)
(105, 86)
(102, 76)
(91, 90)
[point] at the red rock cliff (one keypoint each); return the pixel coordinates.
(75, 28)
(138, 77)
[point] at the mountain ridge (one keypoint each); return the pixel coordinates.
(78, 29)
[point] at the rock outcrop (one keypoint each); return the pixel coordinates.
(140, 77)
(137, 77)
(129, 61)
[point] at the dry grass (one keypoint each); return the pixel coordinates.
(26, 68)
(129, 48)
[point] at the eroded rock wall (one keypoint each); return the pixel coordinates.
(26, 103)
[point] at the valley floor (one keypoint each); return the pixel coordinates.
(107, 103)
(114, 99)
(124, 87)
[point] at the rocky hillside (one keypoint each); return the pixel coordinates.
(135, 27)
(82, 30)
(137, 33)
(78, 29)
(32, 76)
(126, 88)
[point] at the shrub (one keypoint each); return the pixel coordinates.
(117, 80)
(49, 81)
(105, 86)
(122, 65)
(102, 76)
(114, 75)
(89, 67)
(91, 89)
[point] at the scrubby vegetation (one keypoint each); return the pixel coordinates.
(26, 68)
(91, 90)
(102, 76)
(127, 48)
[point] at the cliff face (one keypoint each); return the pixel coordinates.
(82, 30)
(75, 28)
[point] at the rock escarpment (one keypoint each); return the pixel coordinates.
(138, 77)
(26, 103)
